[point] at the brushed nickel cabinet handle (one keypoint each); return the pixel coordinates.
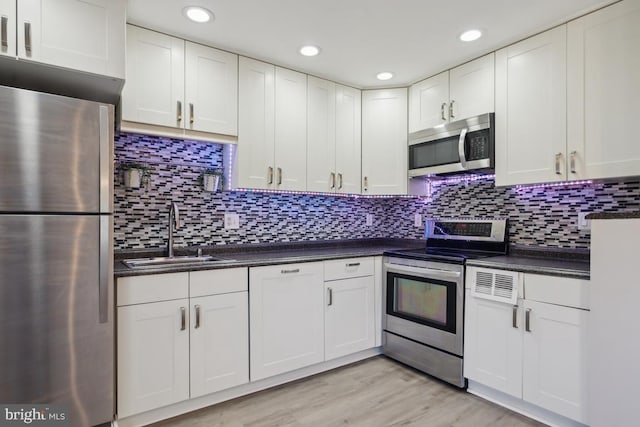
(179, 113)
(295, 270)
(442, 107)
(270, 175)
(330, 296)
(332, 177)
(527, 320)
(339, 181)
(352, 264)
(514, 319)
(183, 313)
(27, 38)
(451, 109)
(197, 307)
(191, 118)
(4, 23)
(558, 157)
(365, 182)
(279, 176)
(573, 161)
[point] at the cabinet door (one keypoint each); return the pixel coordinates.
(554, 367)
(603, 93)
(291, 130)
(211, 89)
(286, 318)
(493, 345)
(472, 88)
(349, 317)
(531, 110)
(348, 140)
(256, 119)
(153, 356)
(86, 35)
(8, 27)
(219, 342)
(429, 102)
(154, 88)
(384, 141)
(321, 135)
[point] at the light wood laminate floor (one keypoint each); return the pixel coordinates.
(375, 392)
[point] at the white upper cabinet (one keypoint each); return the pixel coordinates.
(384, 141)
(603, 89)
(471, 88)
(8, 27)
(154, 90)
(429, 102)
(290, 130)
(460, 93)
(348, 139)
(531, 110)
(85, 35)
(333, 137)
(187, 89)
(211, 90)
(321, 135)
(256, 121)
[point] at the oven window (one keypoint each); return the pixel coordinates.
(426, 301)
(434, 153)
(419, 299)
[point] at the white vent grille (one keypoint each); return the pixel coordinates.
(484, 283)
(496, 286)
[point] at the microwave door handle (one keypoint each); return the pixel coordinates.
(463, 158)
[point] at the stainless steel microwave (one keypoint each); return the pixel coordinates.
(465, 145)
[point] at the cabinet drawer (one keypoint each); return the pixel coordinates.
(152, 288)
(214, 282)
(557, 290)
(347, 268)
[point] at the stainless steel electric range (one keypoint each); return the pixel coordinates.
(423, 296)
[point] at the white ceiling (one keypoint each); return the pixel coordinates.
(413, 39)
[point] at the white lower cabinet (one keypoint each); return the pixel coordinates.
(349, 310)
(286, 318)
(153, 355)
(534, 350)
(170, 350)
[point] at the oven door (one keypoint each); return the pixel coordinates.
(425, 304)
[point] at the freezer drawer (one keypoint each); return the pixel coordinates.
(56, 153)
(56, 348)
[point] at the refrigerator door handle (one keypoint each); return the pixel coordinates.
(106, 278)
(105, 160)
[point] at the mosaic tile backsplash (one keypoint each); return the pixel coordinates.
(538, 216)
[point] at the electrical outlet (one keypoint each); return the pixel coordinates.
(369, 220)
(417, 220)
(231, 221)
(583, 223)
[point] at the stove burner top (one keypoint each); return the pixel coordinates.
(437, 254)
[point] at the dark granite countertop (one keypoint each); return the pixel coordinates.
(254, 255)
(613, 215)
(551, 261)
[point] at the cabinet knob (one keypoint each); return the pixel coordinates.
(179, 112)
(558, 157)
(27, 38)
(451, 109)
(442, 107)
(572, 161)
(332, 178)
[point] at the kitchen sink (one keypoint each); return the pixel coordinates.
(176, 260)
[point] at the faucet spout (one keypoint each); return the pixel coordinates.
(174, 224)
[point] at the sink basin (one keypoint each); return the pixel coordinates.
(176, 260)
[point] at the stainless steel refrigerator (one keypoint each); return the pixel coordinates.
(56, 263)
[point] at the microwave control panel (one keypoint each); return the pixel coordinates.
(478, 145)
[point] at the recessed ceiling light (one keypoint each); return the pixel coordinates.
(309, 50)
(385, 75)
(471, 35)
(198, 14)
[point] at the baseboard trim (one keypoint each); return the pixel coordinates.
(243, 390)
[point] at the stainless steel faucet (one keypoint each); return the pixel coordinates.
(174, 224)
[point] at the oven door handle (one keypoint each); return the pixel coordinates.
(423, 272)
